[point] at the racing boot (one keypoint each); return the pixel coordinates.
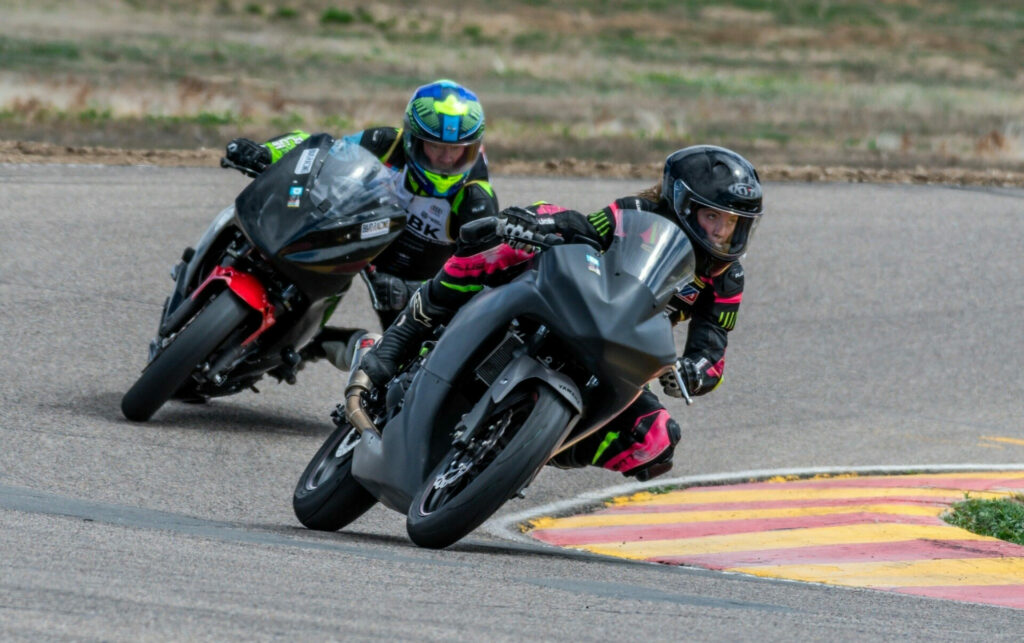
(403, 338)
(330, 343)
(347, 355)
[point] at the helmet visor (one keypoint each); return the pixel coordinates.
(722, 231)
(444, 158)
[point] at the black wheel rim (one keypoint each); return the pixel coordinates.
(335, 456)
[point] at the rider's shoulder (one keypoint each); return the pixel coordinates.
(380, 141)
(730, 282)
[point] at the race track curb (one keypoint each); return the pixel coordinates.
(873, 527)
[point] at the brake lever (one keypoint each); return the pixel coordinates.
(681, 385)
(225, 163)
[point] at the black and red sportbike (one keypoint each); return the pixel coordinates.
(266, 272)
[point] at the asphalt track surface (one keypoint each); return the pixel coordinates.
(880, 327)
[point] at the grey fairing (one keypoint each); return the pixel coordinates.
(393, 468)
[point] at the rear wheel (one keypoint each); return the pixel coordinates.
(171, 368)
(471, 483)
(327, 497)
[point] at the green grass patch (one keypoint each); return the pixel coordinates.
(1002, 518)
(286, 13)
(335, 16)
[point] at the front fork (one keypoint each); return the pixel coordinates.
(246, 287)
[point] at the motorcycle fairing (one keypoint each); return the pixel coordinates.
(613, 324)
(321, 213)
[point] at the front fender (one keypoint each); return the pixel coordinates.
(525, 368)
(519, 370)
(249, 289)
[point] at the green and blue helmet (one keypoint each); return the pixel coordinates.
(443, 133)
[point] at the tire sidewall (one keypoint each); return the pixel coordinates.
(528, 450)
(171, 368)
(335, 502)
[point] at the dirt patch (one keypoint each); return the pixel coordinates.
(29, 152)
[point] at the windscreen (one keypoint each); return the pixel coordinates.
(654, 250)
(351, 180)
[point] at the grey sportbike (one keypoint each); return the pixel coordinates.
(523, 371)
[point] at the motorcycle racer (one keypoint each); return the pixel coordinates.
(441, 178)
(712, 193)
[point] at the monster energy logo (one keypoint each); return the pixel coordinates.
(727, 320)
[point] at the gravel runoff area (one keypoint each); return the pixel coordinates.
(28, 152)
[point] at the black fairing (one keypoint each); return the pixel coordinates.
(321, 213)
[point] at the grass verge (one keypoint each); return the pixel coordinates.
(1001, 518)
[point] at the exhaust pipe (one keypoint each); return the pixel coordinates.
(357, 416)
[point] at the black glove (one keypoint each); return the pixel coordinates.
(573, 227)
(523, 230)
(389, 292)
(691, 374)
(248, 154)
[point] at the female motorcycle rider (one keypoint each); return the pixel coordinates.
(440, 176)
(714, 195)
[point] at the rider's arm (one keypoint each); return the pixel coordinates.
(603, 221)
(383, 142)
(475, 200)
(712, 317)
(253, 158)
(281, 145)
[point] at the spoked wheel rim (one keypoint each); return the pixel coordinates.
(333, 459)
(464, 465)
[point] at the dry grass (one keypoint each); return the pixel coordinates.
(852, 83)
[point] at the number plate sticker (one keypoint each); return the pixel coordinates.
(305, 163)
(373, 229)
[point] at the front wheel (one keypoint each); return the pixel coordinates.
(189, 348)
(327, 497)
(470, 484)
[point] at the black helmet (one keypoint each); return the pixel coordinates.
(706, 176)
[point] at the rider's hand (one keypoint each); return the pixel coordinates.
(524, 230)
(519, 227)
(248, 154)
(693, 379)
(389, 292)
(574, 228)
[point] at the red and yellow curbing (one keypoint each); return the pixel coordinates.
(882, 532)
